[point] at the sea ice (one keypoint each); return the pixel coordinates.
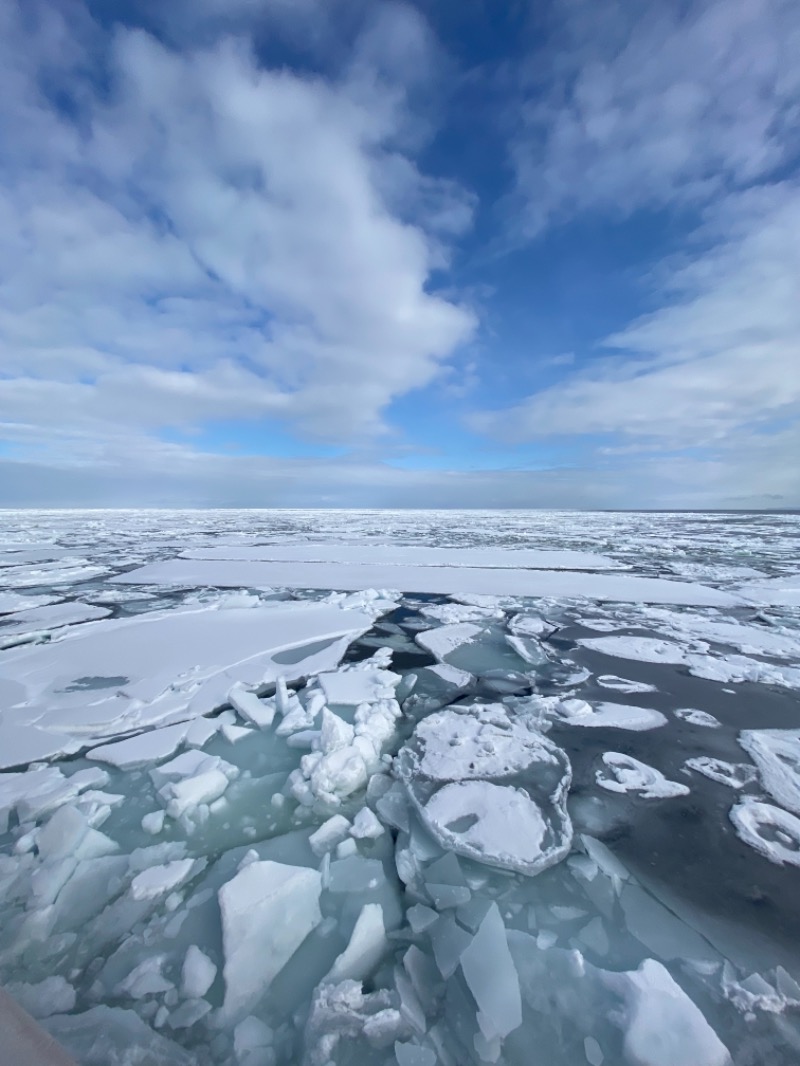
(695, 717)
(662, 1026)
(366, 947)
(642, 649)
(736, 775)
(623, 773)
(770, 830)
(446, 580)
(492, 979)
(607, 715)
(198, 973)
(488, 787)
(776, 753)
(268, 909)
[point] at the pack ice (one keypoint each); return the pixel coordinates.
(332, 789)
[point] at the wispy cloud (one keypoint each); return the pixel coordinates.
(646, 105)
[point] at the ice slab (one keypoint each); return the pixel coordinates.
(492, 978)
(641, 649)
(662, 1026)
(365, 949)
(781, 591)
(488, 787)
(447, 580)
(268, 909)
(623, 773)
(142, 749)
(776, 753)
(409, 555)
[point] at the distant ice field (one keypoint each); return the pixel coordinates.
(402, 788)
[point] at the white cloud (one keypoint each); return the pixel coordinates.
(196, 237)
(718, 365)
(654, 104)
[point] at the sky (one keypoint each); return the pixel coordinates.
(457, 253)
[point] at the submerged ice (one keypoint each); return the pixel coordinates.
(270, 825)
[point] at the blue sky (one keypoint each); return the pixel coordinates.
(351, 253)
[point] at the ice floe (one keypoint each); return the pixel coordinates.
(736, 775)
(488, 787)
(448, 580)
(776, 753)
(623, 773)
(770, 830)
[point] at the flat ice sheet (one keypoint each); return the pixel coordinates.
(409, 555)
(116, 676)
(446, 580)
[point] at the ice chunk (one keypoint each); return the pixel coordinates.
(53, 995)
(736, 775)
(198, 973)
(351, 685)
(367, 945)
(413, 1055)
(268, 909)
(622, 684)
(623, 773)
(695, 717)
(146, 979)
(770, 830)
(454, 767)
(329, 834)
(776, 753)
(662, 1026)
(366, 826)
(188, 1013)
(250, 707)
(153, 823)
(157, 881)
(443, 641)
(250, 1039)
(492, 978)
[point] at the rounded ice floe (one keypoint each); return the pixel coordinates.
(776, 753)
(695, 717)
(623, 773)
(737, 775)
(771, 831)
(489, 787)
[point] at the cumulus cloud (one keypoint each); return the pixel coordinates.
(196, 237)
